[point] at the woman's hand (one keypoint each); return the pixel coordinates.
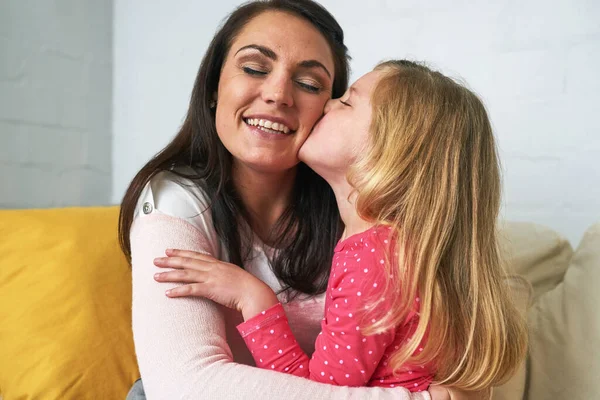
(221, 282)
(439, 392)
(446, 393)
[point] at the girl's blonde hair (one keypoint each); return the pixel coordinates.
(432, 173)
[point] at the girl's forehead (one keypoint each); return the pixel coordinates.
(366, 83)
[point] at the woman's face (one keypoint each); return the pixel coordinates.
(274, 84)
(343, 132)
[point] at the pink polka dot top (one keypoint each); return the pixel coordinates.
(343, 354)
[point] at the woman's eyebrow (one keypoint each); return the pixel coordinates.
(264, 50)
(267, 52)
(314, 64)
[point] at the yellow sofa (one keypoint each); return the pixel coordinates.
(65, 295)
(65, 306)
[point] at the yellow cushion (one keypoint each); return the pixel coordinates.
(65, 306)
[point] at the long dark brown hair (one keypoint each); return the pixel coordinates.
(307, 231)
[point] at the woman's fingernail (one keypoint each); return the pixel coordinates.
(157, 276)
(168, 251)
(168, 292)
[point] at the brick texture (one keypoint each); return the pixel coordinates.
(55, 103)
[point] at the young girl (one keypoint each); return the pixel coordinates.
(416, 289)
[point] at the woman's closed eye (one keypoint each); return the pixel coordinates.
(345, 103)
(310, 87)
(258, 72)
(254, 71)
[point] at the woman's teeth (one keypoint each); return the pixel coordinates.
(268, 126)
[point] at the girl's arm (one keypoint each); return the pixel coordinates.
(343, 354)
(181, 344)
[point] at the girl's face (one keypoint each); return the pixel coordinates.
(274, 84)
(343, 132)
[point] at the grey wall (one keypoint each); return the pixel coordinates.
(55, 102)
(534, 63)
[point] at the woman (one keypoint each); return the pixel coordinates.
(230, 185)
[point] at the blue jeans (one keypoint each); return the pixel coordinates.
(137, 391)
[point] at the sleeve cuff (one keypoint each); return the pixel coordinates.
(261, 320)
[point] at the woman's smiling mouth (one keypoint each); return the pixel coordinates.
(268, 126)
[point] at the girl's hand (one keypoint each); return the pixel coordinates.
(221, 282)
(447, 393)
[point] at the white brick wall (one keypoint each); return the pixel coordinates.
(55, 102)
(534, 63)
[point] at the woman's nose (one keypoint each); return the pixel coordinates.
(278, 90)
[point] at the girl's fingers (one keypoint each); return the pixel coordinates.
(180, 276)
(185, 291)
(190, 254)
(180, 263)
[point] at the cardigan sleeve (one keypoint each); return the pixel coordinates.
(181, 344)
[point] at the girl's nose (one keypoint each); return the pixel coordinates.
(329, 106)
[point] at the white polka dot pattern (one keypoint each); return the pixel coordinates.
(343, 355)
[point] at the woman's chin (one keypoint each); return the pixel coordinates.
(265, 165)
